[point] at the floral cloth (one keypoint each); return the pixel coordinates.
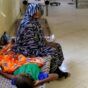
(10, 61)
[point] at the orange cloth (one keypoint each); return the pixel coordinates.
(10, 61)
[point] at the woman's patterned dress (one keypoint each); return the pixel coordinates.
(30, 41)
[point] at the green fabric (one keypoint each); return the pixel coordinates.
(32, 69)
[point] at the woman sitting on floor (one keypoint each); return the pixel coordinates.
(30, 40)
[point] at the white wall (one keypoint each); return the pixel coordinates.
(9, 10)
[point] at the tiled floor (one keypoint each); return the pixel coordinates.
(70, 27)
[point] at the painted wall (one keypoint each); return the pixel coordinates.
(9, 11)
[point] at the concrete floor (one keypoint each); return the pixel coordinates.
(70, 27)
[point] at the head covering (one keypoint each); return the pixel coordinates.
(31, 10)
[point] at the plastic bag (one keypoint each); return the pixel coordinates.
(4, 39)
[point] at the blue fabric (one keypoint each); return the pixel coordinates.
(30, 40)
(31, 10)
(13, 81)
(43, 75)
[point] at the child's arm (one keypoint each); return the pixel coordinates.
(50, 78)
(6, 75)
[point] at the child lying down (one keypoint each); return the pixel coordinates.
(29, 76)
(24, 72)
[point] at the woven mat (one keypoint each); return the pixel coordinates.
(5, 83)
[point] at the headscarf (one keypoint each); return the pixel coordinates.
(31, 10)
